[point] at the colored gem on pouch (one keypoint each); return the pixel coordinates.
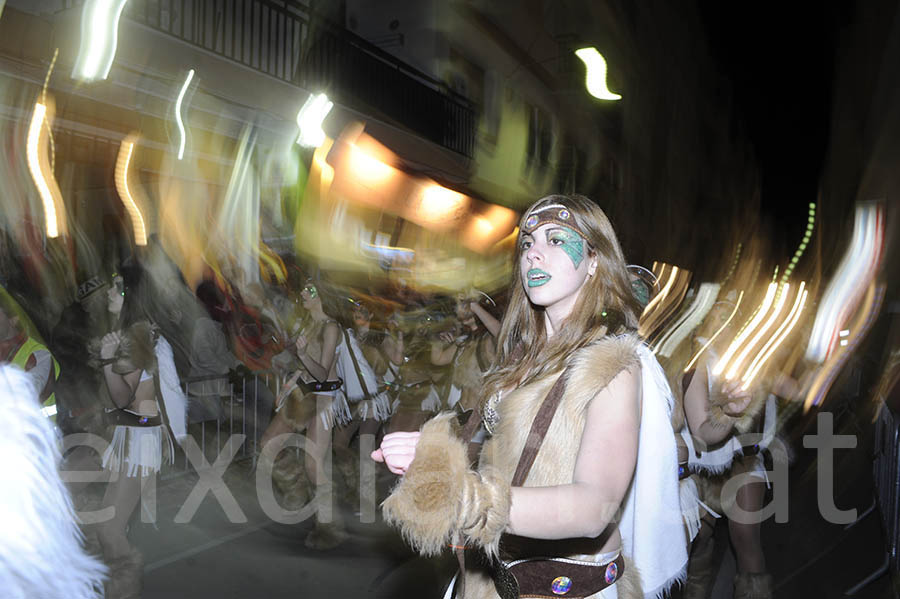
(564, 214)
(612, 570)
(561, 585)
(531, 221)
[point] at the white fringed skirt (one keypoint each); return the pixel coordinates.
(138, 450)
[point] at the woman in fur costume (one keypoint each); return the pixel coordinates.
(149, 409)
(602, 490)
(316, 412)
(470, 350)
(414, 389)
(717, 415)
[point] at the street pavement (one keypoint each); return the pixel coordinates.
(212, 556)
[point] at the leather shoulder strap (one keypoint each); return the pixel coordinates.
(539, 427)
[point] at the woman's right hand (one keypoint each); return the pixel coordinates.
(397, 451)
(109, 344)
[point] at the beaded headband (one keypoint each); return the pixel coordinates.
(88, 287)
(552, 213)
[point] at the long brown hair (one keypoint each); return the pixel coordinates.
(605, 305)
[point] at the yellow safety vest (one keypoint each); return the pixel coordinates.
(21, 360)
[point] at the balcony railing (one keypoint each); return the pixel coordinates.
(275, 38)
(349, 67)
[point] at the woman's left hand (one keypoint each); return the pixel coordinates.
(397, 451)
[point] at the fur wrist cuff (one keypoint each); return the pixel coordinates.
(439, 500)
(742, 422)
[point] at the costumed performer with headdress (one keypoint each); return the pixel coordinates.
(595, 513)
(149, 414)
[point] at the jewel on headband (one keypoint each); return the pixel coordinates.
(552, 213)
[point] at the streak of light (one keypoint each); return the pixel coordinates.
(775, 340)
(835, 363)
(39, 167)
(737, 305)
(689, 321)
(780, 299)
(667, 287)
(595, 76)
(99, 38)
(734, 263)
(850, 281)
(126, 150)
(178, 118)
(739, 341)
(310, 118)
(665, 304)
(239, 217)
(44, 102)
(810, 225)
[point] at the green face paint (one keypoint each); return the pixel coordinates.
(570, 242)
(640, 291)
(311, 289)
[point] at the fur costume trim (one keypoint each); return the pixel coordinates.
(591, 370)
(126, 576)
(718, 402)
(42, 552)
(595, 366)
(749, 585)
(136, 349)
(629, 585)
(439, 500)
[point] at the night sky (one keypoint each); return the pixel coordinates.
(780, 58)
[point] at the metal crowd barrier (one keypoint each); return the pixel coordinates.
(233, 412)
(887, 480)
(886, 473)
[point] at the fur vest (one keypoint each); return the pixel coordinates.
(591, 369)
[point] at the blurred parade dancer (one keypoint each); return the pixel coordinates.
(311, 401)
(415, 398)
(149, 413)
(718, 414)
